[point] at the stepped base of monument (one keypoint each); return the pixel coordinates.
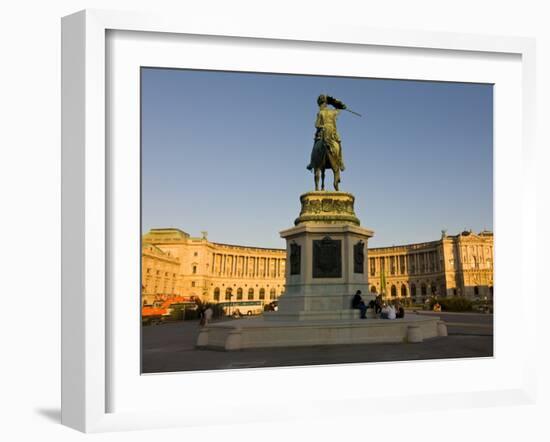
(317, 315)
(243, 334)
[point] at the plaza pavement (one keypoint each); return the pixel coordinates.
(171, 347)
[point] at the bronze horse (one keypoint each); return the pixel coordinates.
(321, 160)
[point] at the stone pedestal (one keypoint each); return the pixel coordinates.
(326, 264)
(326, 260)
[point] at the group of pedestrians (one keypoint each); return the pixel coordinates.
(382, 310)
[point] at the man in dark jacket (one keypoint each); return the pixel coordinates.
(400, 311)
(357, 303)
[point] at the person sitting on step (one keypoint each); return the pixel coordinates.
(357, 303)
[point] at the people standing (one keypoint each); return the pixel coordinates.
(206, 316)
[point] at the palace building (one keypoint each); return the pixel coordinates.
(160, 274)
(176, 264)
(213, 272)
(459, 265)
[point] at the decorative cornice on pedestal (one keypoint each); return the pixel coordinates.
(327, 208)
(326, 228)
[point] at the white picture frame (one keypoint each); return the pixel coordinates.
(86, 316)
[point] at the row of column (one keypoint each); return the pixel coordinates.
(224, 264)
(411, 263)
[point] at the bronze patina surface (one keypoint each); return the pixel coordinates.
(327, 145)
(327, 208)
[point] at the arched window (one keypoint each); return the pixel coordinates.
(434, 289)
(403, 290)
(413, 290)
(217, 294)
(454, 292)
(476, 290)
(423, 290)
(228, 293)
(393, 291)
(262, 293)
(272, 294)
(373, 289)
(250, 293)
(239, 293)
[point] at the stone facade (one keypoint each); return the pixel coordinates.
(160, 274)
(216, 272)
(459, 265)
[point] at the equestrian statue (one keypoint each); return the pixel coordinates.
(327, 145)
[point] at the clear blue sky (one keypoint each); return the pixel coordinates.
(227, 153)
